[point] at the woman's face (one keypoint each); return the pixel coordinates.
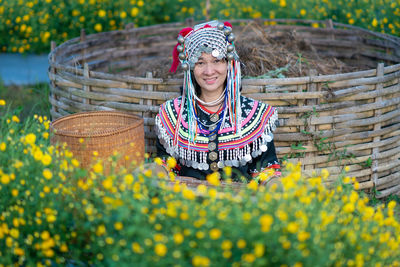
(210, 73)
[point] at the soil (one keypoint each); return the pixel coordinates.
(264, 54)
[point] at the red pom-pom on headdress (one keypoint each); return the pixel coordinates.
(175, 53)
(228, 24)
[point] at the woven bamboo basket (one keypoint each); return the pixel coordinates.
(98, 135)
(326, 121)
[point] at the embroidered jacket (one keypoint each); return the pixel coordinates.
(247, 152)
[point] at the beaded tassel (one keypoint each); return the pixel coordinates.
(234, 104)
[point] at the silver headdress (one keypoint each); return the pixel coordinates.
(215, 38)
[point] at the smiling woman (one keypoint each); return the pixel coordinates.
(211, 128)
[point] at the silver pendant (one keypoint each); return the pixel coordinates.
(263, 148)
(220, 164)
(212, 146)
(213, 156)
(212, 137)
(214, 117)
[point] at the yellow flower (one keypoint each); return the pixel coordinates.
(349, 207)
(118, 226)
(188, 194)
(160, 250)
(3, 146)
(46, 160)
(253, 185)
(107, 183)
(226, 245)
(137, 248)
(303, 236)
(101, 230)
(282, 3)
(45, 135)
(215, 233)
(14, 192)
(248, 257)
(374, 22)
(15, 119)
(129, 179)
(122, 14)
(178, 238)
(303, 12)
(38, 154)
(45, 235)
(102, 13)
(266, 222)
(171, 162)
(200, 261)
(64, 248)
(213, 178)
(47, 174)
(19, 251)
(140, 3)
(75, 162)
(259, 250)
(2, 102)
(98, 168)
(134, 11)
(98, 27)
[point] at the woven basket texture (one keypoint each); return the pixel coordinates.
(98, 135)
(325, 121)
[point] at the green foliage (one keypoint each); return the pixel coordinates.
(27, 100)
(30, 25)
(54, 213)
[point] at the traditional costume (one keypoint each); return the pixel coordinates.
(239, 134)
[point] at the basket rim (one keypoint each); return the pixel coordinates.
(139, 121)
(54, 63)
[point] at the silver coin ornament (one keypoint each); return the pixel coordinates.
(231, 37)
(268, 138)
(230, 56)
(227, 31)
(179, 48)
(182, 56)
(185, 66)
(215, 53)
(181, 39)
(220, 26)
(230, 48)
(247, 157)
(263, 148)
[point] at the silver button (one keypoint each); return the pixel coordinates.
(212, 137)
(212, 146)
(214, 166)
(212, 128)
(214, 117)
(213, 156)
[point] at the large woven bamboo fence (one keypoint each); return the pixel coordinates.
(326, 121)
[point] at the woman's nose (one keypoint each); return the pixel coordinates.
(209, 69)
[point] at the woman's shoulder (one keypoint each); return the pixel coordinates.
(253, 102)
(254, 108)
(170, 107)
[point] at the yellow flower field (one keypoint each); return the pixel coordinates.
(30, 25)
(52, 213)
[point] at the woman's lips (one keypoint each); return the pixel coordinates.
(210, 81)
